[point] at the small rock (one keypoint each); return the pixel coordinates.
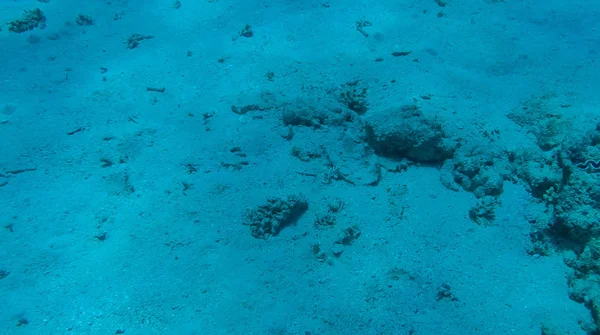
(337, 249)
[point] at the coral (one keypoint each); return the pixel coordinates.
(354, 98)
(541, 116)
(30, 20)
(483, 213)
(479, 170)
(577, 208)
(268, 220)
(540, 170)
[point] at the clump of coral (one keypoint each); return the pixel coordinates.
(267, 220)
(31, 19)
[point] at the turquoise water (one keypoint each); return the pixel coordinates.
(299, 167)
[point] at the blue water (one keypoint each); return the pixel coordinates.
(299, 167)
